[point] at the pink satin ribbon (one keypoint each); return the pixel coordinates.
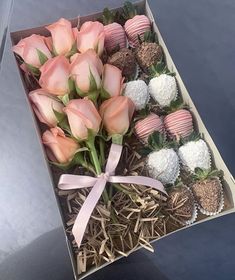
(71, 182)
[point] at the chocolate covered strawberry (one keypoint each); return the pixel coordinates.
(114, 33)
(124, 59)
(194, 153)
(162, 161)
(179, 122)
(208, 191)
(136, 25)
(145, 127)
(181, 204)
(149, 52)
(162, 86)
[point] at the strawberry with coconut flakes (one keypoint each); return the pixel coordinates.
(162, 161)
(137, 91)
(162, 87)
(136, 25)
(194, 153)
(114, 33)
(146, 126)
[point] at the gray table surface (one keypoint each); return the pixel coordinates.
(200, 36)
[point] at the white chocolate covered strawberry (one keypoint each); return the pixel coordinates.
(136, 25)
(162, 87)
(137, 91)
(162, 162)
(195, 153)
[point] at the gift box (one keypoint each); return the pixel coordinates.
(228, 181)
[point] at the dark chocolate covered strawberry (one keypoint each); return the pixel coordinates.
(181, 204)
(124, 59)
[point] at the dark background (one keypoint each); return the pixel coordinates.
(200, 36)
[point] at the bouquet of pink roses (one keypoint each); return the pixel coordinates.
(116, 133)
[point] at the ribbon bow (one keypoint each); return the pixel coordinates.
(71, 182)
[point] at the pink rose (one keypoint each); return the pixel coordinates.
(60, 148)
(55, 75)
(91, 36)
(112, 81)
(86, 69)
(43, 105)
(117, 113)
(28, 49)
(63, 36)
(82, 115)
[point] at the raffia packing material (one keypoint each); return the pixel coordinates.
(228, 181)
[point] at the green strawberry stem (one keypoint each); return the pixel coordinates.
(108, 16)
(129, 10)
(96, 162)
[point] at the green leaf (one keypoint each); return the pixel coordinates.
(64, 99)
(129, 10)
(34, 70)
(73, 50)
(54, 52)
(71, 85)
(160, 68)
(79, 92)
(194, 136)
(145, 151)
(104, 94)
(93, 85)
(108, 16)
(203, 174)
(93, 96)
(42, 57)
(59, 116)
(155, 140)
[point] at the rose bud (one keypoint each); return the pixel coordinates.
(33, 50)
(117, 113)
(86, 69)
(55, 76)
(63, 36)
(44, 105)
(112, 82)
(60, 148)
(82, 115)
(91, 36)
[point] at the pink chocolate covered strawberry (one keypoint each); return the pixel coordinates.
(136, 25)
(145, 127)
(115, 36)
(179, 122)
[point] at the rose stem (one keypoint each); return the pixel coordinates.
(102, 158)
(94, 156)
